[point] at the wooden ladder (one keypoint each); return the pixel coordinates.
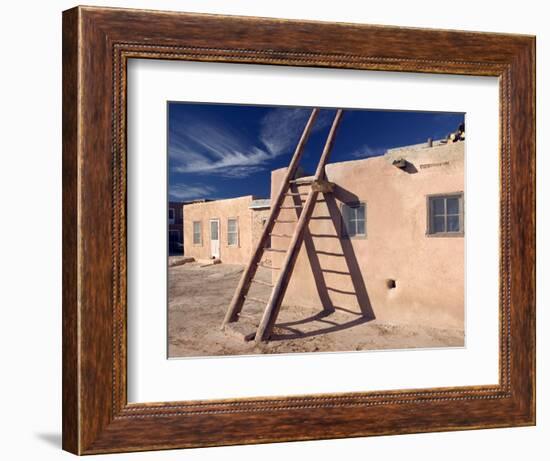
(317, 184)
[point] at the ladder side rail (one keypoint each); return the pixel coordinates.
(275, 300)
(237, 301)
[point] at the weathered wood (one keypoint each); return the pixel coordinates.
(322, 186)
(256, 300)
(261, 282)
(272, 309)
(260, 264)
(244, 283)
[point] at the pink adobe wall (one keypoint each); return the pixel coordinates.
(429, 271)
(222, 210)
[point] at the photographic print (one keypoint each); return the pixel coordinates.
(303, 229)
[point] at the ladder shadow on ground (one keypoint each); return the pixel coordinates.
(329, 309)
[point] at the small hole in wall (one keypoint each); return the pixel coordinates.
(390, 283)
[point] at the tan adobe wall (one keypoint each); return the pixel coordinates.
(259, 216)
(428, 270)
(222, 210)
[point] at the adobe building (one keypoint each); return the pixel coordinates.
(224, 229)
(388, 243)
(175, 228)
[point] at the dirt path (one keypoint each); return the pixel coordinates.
(199, 296)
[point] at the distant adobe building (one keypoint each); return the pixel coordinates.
(388, 239)
(226, 229)
(175, 228)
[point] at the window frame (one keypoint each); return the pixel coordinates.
(236, 232)
(171, 220)
(429, 218)
(193, 233)
(344, 227)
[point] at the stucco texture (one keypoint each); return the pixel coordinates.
(249, 228)
(352, 274)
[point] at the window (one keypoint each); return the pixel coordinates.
(445, 215)
(355, 222)
(232, 232)
(171, 215)
(197, 233)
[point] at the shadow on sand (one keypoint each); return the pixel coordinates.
(326, 316)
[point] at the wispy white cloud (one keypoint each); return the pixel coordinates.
(281, 128)
(366, 151)
(199, 147)
(212, 148)
(187, 192)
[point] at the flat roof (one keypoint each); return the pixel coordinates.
(260, 203)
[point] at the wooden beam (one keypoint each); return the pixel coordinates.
(323, 186)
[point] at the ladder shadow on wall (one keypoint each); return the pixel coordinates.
(364, 312)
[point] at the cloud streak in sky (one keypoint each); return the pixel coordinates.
(366, 151)
(182, 192)
(206, 147)
(281, 128)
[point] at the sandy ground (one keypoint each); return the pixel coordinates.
(199, 296)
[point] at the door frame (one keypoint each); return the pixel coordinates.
(210, 237)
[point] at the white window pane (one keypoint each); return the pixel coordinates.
(452, 205)
(353, 216)
(361, 227)
(438, 206)
(453, 224)
(214, 230)
(439, 224)
(349, 216)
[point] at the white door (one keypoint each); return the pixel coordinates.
(215, 238)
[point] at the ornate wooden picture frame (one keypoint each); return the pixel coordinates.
(97, 44)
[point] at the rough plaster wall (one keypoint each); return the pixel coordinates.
(429, 271)
(222, 210)
(257, 226)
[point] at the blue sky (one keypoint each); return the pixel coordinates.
(220, 151)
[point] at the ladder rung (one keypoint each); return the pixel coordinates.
(321, 217)
(275, 250)
(280, 235)
(246, 315)
(261, 282)
(332, 271)
(293, 194)
(290, 207)
(344, 292)
(260, 264)
(251, 298)
(329, 253)
(328, 236)
(302, 181)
